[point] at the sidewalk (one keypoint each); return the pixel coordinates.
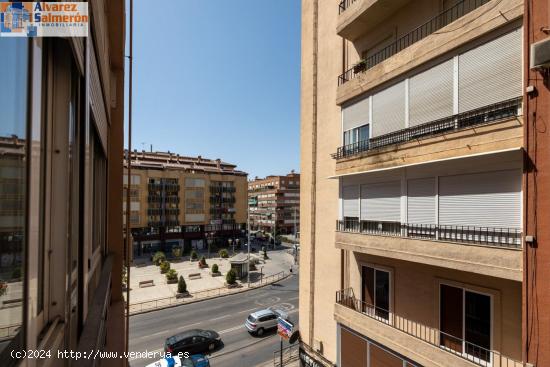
(205, 287)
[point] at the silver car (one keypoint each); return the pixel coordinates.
(260, 321)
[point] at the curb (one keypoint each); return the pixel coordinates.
(209, 298)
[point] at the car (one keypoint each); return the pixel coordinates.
(259, 322)
(196, 360)
(193, 341)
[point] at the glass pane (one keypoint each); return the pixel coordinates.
(13, 126)
(478, 325)
(382, 297)
(450, 314)
(363, 133)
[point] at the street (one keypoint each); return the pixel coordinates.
(226, 315)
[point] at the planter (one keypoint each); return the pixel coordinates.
(201, 266)
(359, 68)
(171, 281)
(218, 274)
(230, 286)
(183, 295)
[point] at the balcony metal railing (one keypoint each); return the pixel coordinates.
(479, 116)
(487, 236)
(344, 4)
(431, 26)
(446, 342)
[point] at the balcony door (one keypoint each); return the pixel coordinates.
(375, 292)
(465, 322)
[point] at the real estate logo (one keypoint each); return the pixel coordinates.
(43, 19)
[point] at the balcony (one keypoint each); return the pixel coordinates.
(489, 251)
(419, 342)
(477, 117)
(460, 25)
(493, 128)
(431, 26)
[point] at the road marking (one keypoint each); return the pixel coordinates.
(250, 310)
(219, 318)
(238, 327)
(166, 331)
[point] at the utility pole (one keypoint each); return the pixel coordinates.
(248, 244)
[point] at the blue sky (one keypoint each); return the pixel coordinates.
(220, 79)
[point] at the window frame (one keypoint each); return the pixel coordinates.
(465, 289)
(390, 272)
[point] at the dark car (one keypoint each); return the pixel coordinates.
(193, 341)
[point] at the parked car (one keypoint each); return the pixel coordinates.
(196, 360)
(260, 321)
(193, 341)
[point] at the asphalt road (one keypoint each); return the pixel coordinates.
(226, 315)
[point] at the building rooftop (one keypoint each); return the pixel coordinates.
(169, 160)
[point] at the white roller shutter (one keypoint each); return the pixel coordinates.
(491, 73)
(421, 201)
(355, 115)
(350, 196)
(381, 201)
(491, 199)
(431, 94)
(388, 110)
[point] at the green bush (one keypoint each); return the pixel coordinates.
(223, 253)
(164, 267)
(215, 268)
(176, 252)
(182, 287)
(231, 276)
(158, 258)
(171, 275)
(194, 255)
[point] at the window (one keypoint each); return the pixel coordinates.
(13, 185)
(356, 135)
(194, 182)
(465, 321)
(376, 291)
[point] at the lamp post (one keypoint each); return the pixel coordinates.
(248, 245)
(238, 244)
(210, 240)
(230, 241)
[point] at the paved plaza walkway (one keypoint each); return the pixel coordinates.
(278, 261)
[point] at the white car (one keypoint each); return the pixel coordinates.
(260, 321)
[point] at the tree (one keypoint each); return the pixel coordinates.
(194, 255)
(215, 269)
(158, 258)
(182, 287)
(223, 254)
(231, 277)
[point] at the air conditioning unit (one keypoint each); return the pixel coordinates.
(540, 54)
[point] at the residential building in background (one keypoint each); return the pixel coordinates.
(61, 154)
(412, 233)
(184, 202)
(274, 204)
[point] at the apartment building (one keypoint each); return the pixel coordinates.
(274, 204)
(184, 202)
(61, 152)
(413, 234)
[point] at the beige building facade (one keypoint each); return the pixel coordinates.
(412, 183)
(274, 204)
(182, 202)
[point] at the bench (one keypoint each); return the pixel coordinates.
(195, 276)
(11, 303)
(146, 283)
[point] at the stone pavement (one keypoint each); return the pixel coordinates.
(279, 260)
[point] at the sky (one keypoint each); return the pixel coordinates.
(220, 79)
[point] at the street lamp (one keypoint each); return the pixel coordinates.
(210, 240)
(238, 240)
(230, 242)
